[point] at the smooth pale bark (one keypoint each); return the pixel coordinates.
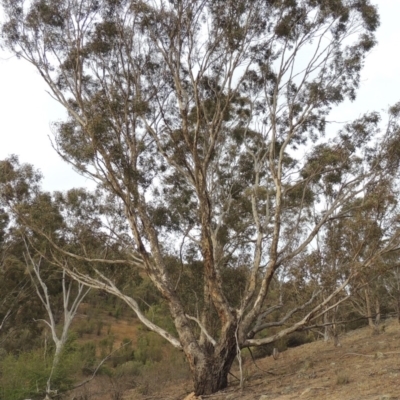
(8, 313)
(70, 308)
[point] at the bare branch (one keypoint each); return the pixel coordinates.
(260, 326)
(203, 329)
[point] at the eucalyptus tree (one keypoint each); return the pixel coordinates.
(4, 313)
(364, 229)
(358, 233)
(18, 307)
(205, 121)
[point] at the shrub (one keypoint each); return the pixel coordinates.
(107, 345)
(124, 354)
(298, 338)
(88, 355)
(293, 340)
(24, 375)
(130, 368)
(342, 379)
(85, 327)
(149, 348)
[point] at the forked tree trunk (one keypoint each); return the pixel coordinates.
(210, 374)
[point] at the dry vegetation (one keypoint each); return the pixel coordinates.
(365, 366)
(100, 328)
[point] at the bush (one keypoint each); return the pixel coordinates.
(293, 340)
(23, 376)
(342, 379)
(124, 354)
(26, 375)
(155, 375)
(130, 368)
(262, 351)
(298, 338)
(107, 345)
(99, 327)
(85, 327)
(149, 348)
(88, 355)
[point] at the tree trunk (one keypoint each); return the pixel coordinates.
(211, 373)
(398, 308)
(326, 328)
(368, 307)
(377, 312)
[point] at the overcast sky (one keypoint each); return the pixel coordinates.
(26, 110)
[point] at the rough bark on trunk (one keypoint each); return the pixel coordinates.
(211, 373)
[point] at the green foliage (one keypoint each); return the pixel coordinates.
(99, 327)
(71, 363)
(158, 313)
(106, 345)
(149, 348)
(85, 327)
(293, 340)
(24, 375)
(129, 369)
(215, 172)
(16, 300)
(298, 338)
(124, 355)
(88, 356)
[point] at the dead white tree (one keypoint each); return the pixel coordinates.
(71, 300)
(3, 321)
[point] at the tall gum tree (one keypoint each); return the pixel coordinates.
(205, 120)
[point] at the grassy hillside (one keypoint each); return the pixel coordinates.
(140, 365)
(365, 366)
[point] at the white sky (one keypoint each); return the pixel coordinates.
(26, 110)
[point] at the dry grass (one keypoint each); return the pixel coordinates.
(365, 367)
(153, 378)
(120, 329)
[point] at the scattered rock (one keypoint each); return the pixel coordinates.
(190, 396)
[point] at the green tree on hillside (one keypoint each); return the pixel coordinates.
(18, 305)
(203, 123)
